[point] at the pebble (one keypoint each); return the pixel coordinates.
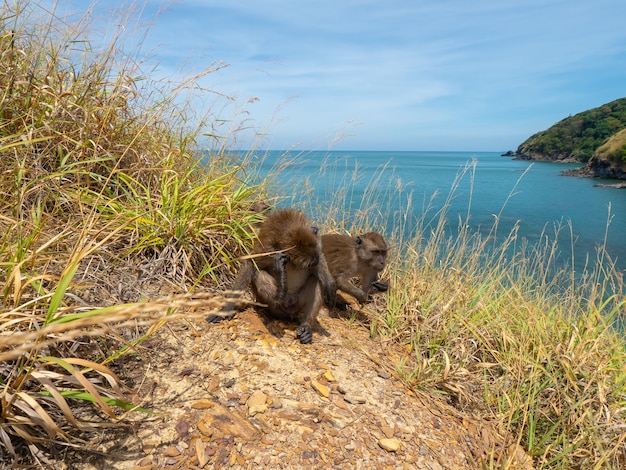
(390, 445)
(354, 400)
(202, 404)
(171, 452)
(257, 403)
(320, 388)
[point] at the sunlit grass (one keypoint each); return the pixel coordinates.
(110, 219)
(499, 326)
(105, 210)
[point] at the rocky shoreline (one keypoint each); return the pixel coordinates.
(594, 168)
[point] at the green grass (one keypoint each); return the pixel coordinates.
(101, 187)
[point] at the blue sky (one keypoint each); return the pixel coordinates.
(397, 75)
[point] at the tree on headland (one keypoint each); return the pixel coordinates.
(576, 138)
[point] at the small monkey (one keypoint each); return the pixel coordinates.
(287, 270)
(363, 256)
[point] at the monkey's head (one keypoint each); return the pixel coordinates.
(304, 246)
(372, 248)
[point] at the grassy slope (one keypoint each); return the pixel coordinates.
(100, 189)
(614, 150)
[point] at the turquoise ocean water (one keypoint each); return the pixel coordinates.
(532, 194)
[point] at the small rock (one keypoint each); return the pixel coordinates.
(202, 404)
(204, 429)
(390, 445)
(171, 452)
(257, 403)
(226, 422)
(354, 400)
(182, 427)
(329, 376)
(320, 388)
(275, 403)
(303, 429)
(383, 375)
(201, 453)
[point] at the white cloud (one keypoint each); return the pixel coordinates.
(485, 74)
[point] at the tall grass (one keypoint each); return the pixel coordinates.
(500, 327)
(102, 202)
(105, 207)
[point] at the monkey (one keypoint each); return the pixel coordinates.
(287, 270)
(363, 256)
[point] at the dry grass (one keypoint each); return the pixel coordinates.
(499, 327)
(102, 202)
(614, 149)
(504, 331)
(105, 210)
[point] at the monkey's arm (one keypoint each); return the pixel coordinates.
(346, 285)
(310, 297)
(280, 261)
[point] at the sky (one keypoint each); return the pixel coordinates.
(480, 75)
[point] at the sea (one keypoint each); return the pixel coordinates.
(477, 188)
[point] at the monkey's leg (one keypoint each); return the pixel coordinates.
(329, 288)
(310, 297)
(241, 283)
(266, 290)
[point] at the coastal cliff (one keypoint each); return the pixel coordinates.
(595, 137)
(609, 160)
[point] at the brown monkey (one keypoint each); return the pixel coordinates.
(363, 256)
(287, 270)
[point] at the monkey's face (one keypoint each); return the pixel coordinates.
(305, 251)
(372, 248)
(379, 259)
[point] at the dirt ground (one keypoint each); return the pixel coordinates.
(245, 394)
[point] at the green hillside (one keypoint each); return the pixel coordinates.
(577, 137)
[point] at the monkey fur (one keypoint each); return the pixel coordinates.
(363, 256)
(287, 270)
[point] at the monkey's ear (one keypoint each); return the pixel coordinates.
(359, 240)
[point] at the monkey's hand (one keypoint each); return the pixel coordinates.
(280, 261)
(304, 333)
(381, 286)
